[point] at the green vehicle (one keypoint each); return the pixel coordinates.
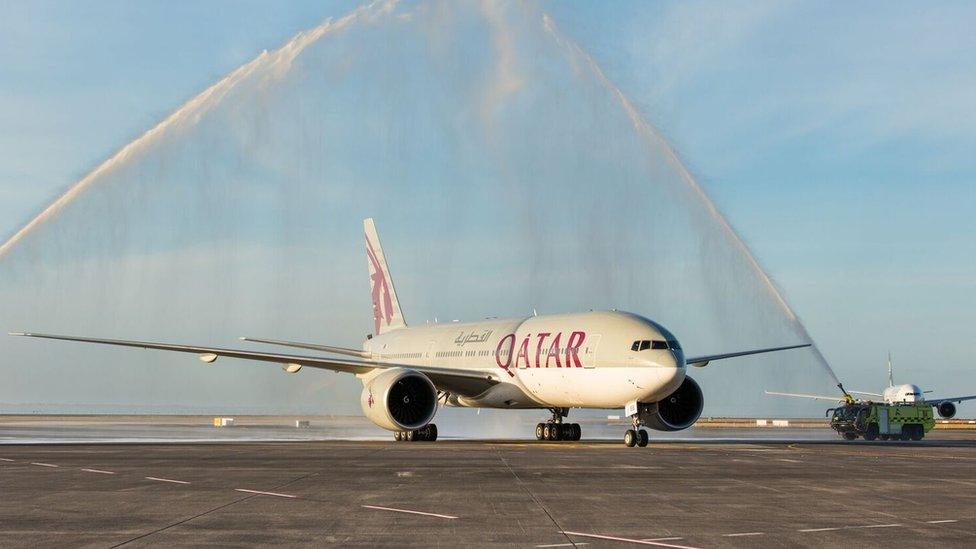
(885, 421)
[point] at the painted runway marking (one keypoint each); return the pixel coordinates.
(878, 526)
(167, 480)
(741, 534)
(265, 493)
(660, 539)
(563, 544)
(99, 471)
(630, 540)
(790, 460)
(940, 521)
(820, 529)
(378, 508)
(5, 459)
(44, 464)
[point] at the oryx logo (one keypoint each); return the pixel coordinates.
(369, 399)
(382, 302)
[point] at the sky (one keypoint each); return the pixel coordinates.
(837, 140)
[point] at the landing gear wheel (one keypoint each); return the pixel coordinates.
(849, 436)
(546, 431)
(431, 434)
(577, 431)
(410, 436)
(567, 431)
(398, 435)
(872, 432)
(555, 432)
(642, 438)
(540, 433)
(630, 438)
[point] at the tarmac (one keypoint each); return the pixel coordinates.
(740, 490)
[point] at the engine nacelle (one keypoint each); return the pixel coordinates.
(679, 410)
(947, 410)
(399, 400)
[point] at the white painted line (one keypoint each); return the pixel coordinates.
(99, 471)
(265, 493)
(167, 480)
(940, 521)
(563, 544)
(790, 460)
(6, 459)
(661, 539)
(740, 534)
(378, 508)
(819, 529)
(631, 540)
(44, 464)
(878, 526)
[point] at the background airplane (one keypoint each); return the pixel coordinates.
(896, 394)
(596, 359)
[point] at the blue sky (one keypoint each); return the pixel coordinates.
(838, 140)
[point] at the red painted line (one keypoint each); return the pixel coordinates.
(628, 540)
(395, 510)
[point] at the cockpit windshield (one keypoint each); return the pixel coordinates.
(656, 344)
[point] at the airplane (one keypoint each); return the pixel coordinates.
(596, 359)
(895, 394)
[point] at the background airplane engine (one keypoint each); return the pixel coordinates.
(399, 400)
(947, 410)
(680, 409)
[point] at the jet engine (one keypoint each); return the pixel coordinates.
(679, 410)
(399, 399)
(947, 410)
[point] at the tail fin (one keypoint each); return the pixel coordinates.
(386, 309)
(891, 379)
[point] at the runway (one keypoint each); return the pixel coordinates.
(675, 493)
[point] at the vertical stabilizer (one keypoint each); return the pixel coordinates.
(386, 309)
(891, 380)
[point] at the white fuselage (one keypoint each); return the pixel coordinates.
(582, 360)
(903, 394)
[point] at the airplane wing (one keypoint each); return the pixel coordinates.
(937, 401)
(801, 395)
(463, 382)
(701, 361)
(311, 346)
(866, 393)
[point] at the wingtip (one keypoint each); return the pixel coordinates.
(18, 333)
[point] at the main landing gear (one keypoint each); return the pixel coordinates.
(427, 433)
(555, 429)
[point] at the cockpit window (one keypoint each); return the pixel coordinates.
(645, 345)
(635, 346)
(674, 345)
(658, 344)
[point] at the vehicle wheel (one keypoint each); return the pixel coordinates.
(540, 433)
(566, 431)
(884, 437)
(917, 432)
(630, 438)
(556, 431)
(642, 438)
(398, 435)
(872, 432)
(410, 436)
(849, 436)
(431, 432)
(577, 431)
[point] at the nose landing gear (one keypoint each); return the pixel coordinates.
(636, 436)
(555, 429)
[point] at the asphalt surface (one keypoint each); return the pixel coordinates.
(707, 493)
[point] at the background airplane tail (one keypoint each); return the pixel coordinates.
(386, 308)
